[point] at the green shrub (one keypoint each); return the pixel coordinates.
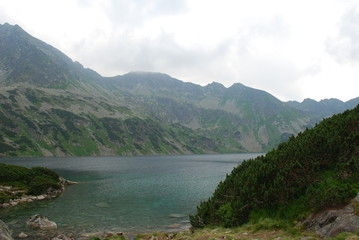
(45, 171)
(35, 180)
(39, 185)
(12, 173)
(4, 197)
(328, 193)
(225, 213)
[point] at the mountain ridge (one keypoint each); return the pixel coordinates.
(51, 105)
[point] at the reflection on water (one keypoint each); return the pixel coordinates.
(130, 194)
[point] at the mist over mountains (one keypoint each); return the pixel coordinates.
(53, 106)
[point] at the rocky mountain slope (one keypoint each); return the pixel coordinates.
(52, 106)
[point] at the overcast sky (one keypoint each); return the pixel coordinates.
(294, 49)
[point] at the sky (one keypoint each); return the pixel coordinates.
(293, 49)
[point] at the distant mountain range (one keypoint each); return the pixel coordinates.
(52, 106)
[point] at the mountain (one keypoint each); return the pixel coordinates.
(313, 171)
(25, 59)
(53, 106)
(323, 108)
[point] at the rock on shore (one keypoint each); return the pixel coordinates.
(38, 221)
(333, 221)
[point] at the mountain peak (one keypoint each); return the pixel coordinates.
(7, 30)
(237, 86)
(215, 85)
(9, 26)
(25, 59)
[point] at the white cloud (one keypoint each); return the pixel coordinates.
(279, 46)
(344, 47)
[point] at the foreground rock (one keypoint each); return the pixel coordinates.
(5, 233)
(38, 221)
(331, 222)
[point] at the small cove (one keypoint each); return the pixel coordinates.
(127, 194)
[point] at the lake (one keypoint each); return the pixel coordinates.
(128, 194)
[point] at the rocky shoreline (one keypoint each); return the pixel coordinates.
(50, 193)
(41, 228)
(326, 224)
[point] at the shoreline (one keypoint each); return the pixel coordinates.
(50, 194)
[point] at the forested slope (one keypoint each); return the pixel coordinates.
(317, 169)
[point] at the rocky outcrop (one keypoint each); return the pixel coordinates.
(38, 221)
(5, 233)
(50, 193)
(333, 221)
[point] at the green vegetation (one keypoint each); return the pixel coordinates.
(317, 169)
(119, 237)
(52, 130)
(34, 181)
(264, 229)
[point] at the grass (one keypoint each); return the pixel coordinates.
(261, 229)
(347, 236)
(236, 234)
(244, 232)
(356, 207)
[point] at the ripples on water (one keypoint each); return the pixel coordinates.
(129, 194)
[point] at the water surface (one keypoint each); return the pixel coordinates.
(129, 194)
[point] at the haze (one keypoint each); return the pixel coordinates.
(292, 49)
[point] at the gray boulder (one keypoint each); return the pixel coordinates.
(333, 221)
(5, 233)
(38, 221)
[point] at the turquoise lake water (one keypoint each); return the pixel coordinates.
(128, 194)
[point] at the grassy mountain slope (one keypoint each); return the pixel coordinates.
(249, 118)
(51, 105)
(317, 169)
(36, 122)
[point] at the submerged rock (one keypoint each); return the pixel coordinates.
(38, 221)
(5, 233)
(177, 215)
(175, 225)
(102, 205)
